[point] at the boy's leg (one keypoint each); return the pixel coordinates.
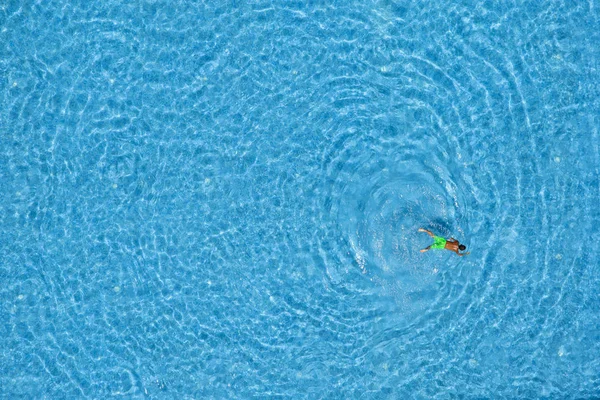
(426, 231)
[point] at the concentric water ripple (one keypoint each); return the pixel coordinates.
(382, 187)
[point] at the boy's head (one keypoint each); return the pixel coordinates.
(462, 247)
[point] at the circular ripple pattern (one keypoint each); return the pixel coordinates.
(382, 186)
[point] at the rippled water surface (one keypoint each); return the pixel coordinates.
(221, 199)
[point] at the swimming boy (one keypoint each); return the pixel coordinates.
(441, 243)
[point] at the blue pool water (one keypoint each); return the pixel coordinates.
(210, 200)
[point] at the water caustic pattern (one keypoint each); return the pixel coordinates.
(221, 200)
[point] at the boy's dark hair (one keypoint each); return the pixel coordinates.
(462, 247)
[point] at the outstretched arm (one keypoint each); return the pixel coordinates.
(426, 231)
(463, 254)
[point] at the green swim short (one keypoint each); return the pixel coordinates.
(438, 243)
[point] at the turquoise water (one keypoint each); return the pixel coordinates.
(221, 199)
